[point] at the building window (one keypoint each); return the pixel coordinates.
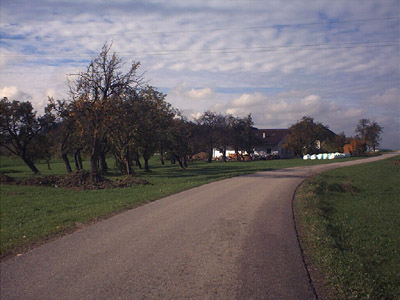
(263, 135)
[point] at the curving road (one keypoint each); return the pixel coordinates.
(232, 239)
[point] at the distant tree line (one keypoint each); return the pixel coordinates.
(114, 113)
(310, 137)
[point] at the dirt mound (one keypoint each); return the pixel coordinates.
(82, 179)
(5, 179)
(130, 181)
(396, 163)
(77, 180)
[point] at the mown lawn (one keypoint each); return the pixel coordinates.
(30, 215)
(349, 221)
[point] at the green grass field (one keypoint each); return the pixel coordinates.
(349, 223)
(30, 215)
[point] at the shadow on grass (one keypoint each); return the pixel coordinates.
(10, 171)
(215, 170)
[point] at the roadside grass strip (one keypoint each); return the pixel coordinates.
(349, 227)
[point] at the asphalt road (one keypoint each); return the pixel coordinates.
(232, 239)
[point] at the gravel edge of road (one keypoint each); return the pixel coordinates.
(303, 257)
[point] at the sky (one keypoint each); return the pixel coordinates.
(336, 61)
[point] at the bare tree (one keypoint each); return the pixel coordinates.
(96, 94)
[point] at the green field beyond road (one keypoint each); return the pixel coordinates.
(350, 230)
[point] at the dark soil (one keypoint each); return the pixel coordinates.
(76, 180)
(396, 163)
(5, 179)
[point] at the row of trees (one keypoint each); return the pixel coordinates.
(369, 132)
(142, 125)
(309, 136)
(114, 112)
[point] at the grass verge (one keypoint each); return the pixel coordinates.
(31, 215)
(349, 228)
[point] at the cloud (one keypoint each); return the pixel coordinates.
(311, 100)
(281, 110)
(12, 93)
(182, 91)
(199, 93)
(247, 100)
(390, 97)
(51, 93)
(8, 58)
(195, 116)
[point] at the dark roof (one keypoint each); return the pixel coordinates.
(271, 136)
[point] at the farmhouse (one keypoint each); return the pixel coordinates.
(270, 141)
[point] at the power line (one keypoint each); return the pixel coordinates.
(204, 30)
(313, 47)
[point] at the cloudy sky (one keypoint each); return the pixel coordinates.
(336, 61)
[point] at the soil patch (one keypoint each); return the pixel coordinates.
(396, 163)
(6, 179)
(76, 180)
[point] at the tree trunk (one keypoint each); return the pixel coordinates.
(94, 162)
(128, 163)
(78, 159)
(103, 163)
(146, 160)
(179, 161)
(237, 154)
(48, 164)
(30, 164)
(66, 162)
(128, 168)
(210, 154)
(224, 155)
(185, 161)
(76, 162)
(137, 161)
(94, 170)
(162, 157)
